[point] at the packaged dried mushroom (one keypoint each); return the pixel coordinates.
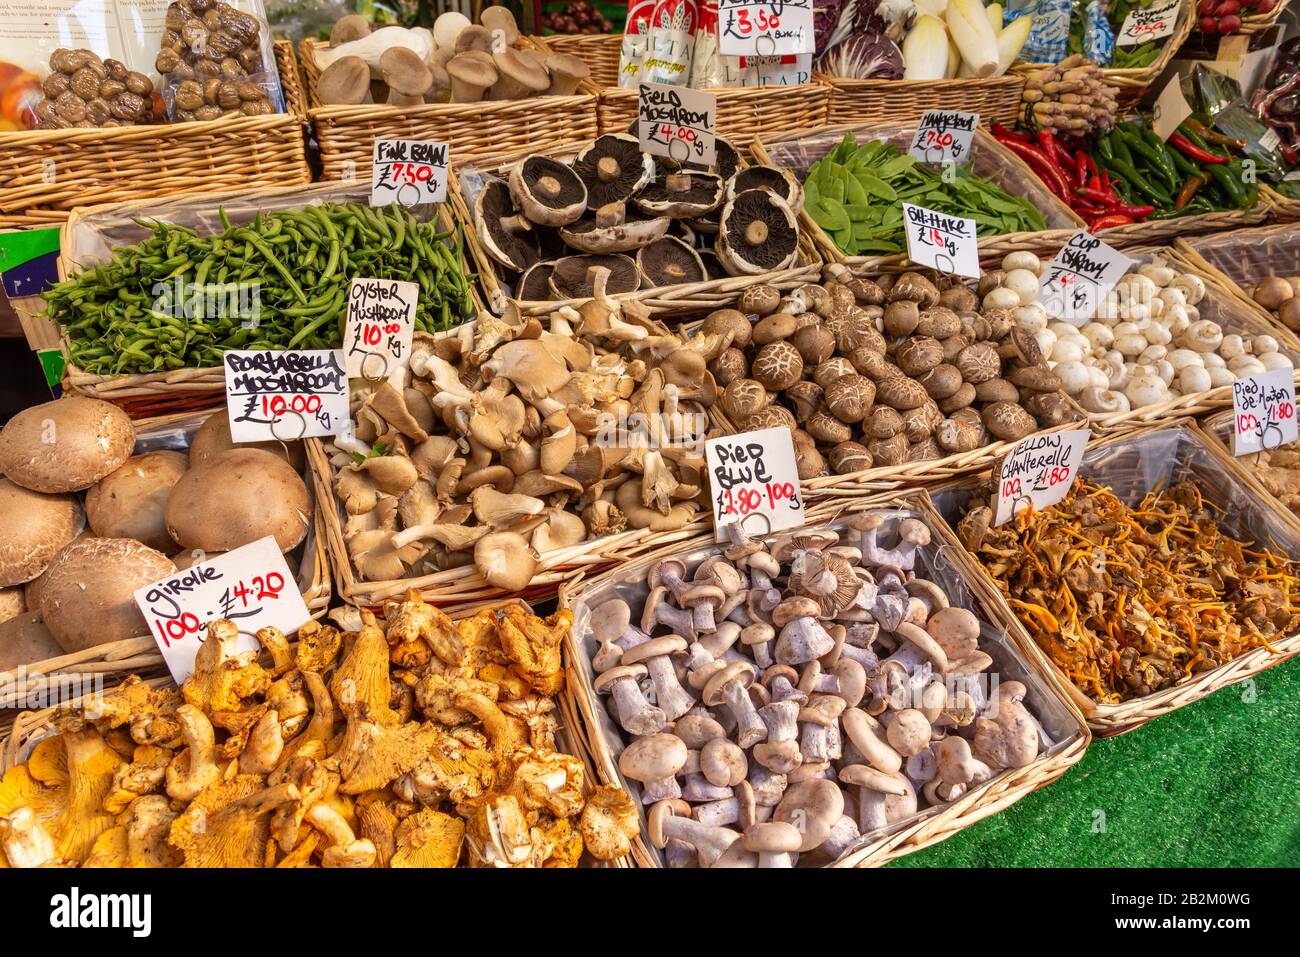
(84, 91)
(211, 58)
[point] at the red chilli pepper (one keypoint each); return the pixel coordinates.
(1192, 151)
(1003, 134)
(1110, 219)
(1134, 212)
(1048, 144)
(1081, 167)
(1039, 163)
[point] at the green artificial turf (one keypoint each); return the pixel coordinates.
(1214, 784)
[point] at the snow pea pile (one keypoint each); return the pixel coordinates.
(178, 300)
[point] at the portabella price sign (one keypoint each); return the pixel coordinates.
(1148, 23)
(409, 172)
(249, 586)
(285, 394)
(1080, 277)
(755, 482)
(1263, 409)
(1039, 471)
(765, 27)
(381, 322)
(944, 136)
(942, 242)
(676, 122)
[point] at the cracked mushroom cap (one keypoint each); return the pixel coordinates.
(66, 445)
(758, 234)
(610, 230)
(505, 234)
(774, 180)
(614, 169)
(669, 262)
(574, 277)
(681, 195)
(548, 191)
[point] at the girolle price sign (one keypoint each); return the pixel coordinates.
(1263, 408)
(1039, 471)
(755, 481)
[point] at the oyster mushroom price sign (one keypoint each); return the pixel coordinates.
(409, 172)
(676, 122)
(944, 136)
(1039, 470)
(755, 481)
(250, 586)
(1263, 409)
(765, 27)
(286, 394)
(1148, 23)
(942, 242)
(1080, 277)
(381, 321)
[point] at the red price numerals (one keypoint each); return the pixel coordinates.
(410, 173)
(1053, 476)
(175, 629)
(761, 22)
(372, 334)
(278, 405)
(258, 588)
(742, 501)
(936, 140)
(1282, 411)
(1011, 488)
(669, 132)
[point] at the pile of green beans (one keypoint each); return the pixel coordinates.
(301, 262)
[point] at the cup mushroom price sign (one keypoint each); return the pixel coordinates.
(1083, 273)
(381, 321)
(409, 172)
(286, 394)
(1148, 23)
(755, 482)
(944, 136)
(765, 27)
(942, 242)
(1263, 408)
(676, 122)
(249, 586)
(1039, 471)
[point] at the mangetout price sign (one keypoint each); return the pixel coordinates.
(1039, 471)
(755, 481)
(765, 27)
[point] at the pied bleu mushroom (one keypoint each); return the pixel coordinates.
(813, 806)
(547, 191)
(669, 573)
(866, 734)
(668, 261)
(697, 789)
(781, 182)
(670, 821)
(660, 613)
(1008, 736)
(956, 768)
(780, 752)
(874, 788)
(576, 277)
(656, 654)
(757, 233)
(802, 638)
(739, 808)
(819, 741)
(730, 686)
(634, 713)
(781, 682)
(654, 760)
(908, 732)
(703, 600)
(506, 235)
(611, 230)
(723, 763)
(757, 639)
(520, 74)
(776, 843)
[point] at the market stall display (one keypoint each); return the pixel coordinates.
(1260, 266)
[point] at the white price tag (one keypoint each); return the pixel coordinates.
(409, 172)
(755, 482)
(1270, 140)
(381, 321)
(1148, 23)
(944, 136)
(765, 27)
(677, 122)
(1263, 412)
(1080, 277)
(942, 242)
(286, 394)
(1170, 109)
(1039, 470)
(250, 586)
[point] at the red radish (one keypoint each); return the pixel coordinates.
(1227, 7)
(1230, 23)
(1209, 25)
(1265, 6)
(1206, 7)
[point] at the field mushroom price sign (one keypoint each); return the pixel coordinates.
(944, 136)
(409, 172)
(755, 481)
(1080, 277)
(765, 27)
(286, 394)
(1038, 471)
(1263, 408)
(942, 242)
(1148, 23)
(250, 586)
(676, 122)
(381, 321)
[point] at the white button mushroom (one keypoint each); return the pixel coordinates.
(1099, 377)
(1245, 365)
(1220, 377)
(1002, 298)
(1231, 346)
(1202, 336)
(1099, 335)
(1182, 358)
(1074, 377)
(1032, 318)
(1146, 389)
(1066, 351)
(1212, 360)
(1263, 344)
(1194, 378)
(1022, 260)
(1275, 360)
(1152, 354)
(1024, 283)
(1130, 345)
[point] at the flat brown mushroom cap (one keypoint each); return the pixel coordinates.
(669, 262)
(613, 168)
(33, 527)
(758, 233)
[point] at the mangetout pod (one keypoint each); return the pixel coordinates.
(65, 445)
(33, 527)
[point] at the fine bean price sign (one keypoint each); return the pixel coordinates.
(1039, 470)
(765, 27)
(1080, 277)
(409, 172)
(286, 394)
(676, 122)
(1263, 409)
(1148, 23)
(755, 482)
(942, 242)
(250, 586)
(944, 136)
(381, 321)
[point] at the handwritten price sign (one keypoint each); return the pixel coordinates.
(381, 321)
(1150, 23)
(1080, 277)
(944, 136)
(755, 482)
(765, 27)
(678, 123)
(1039, 470)
(1263, 412)
(250, 586)
(409, 172)
(942, 242)
(286, 394)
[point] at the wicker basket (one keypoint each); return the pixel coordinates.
(600, 51)
(1259, 22)
(995, 99)
(1133, 464)
(347, 134)
(1218, 429)
(90, 167)
(1280, 208)
(111, 662)
(498, 292)
(989, 159)
(1235, 261)
(89, 236)
(1013, 653)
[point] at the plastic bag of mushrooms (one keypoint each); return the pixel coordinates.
(775, 704)
(511, 438)
(548, 224)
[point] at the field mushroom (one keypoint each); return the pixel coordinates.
(547, 191)
(33, 527)
(66, 445)
(668, 261)
(614, 169)
(758, 233)
(506, 234)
